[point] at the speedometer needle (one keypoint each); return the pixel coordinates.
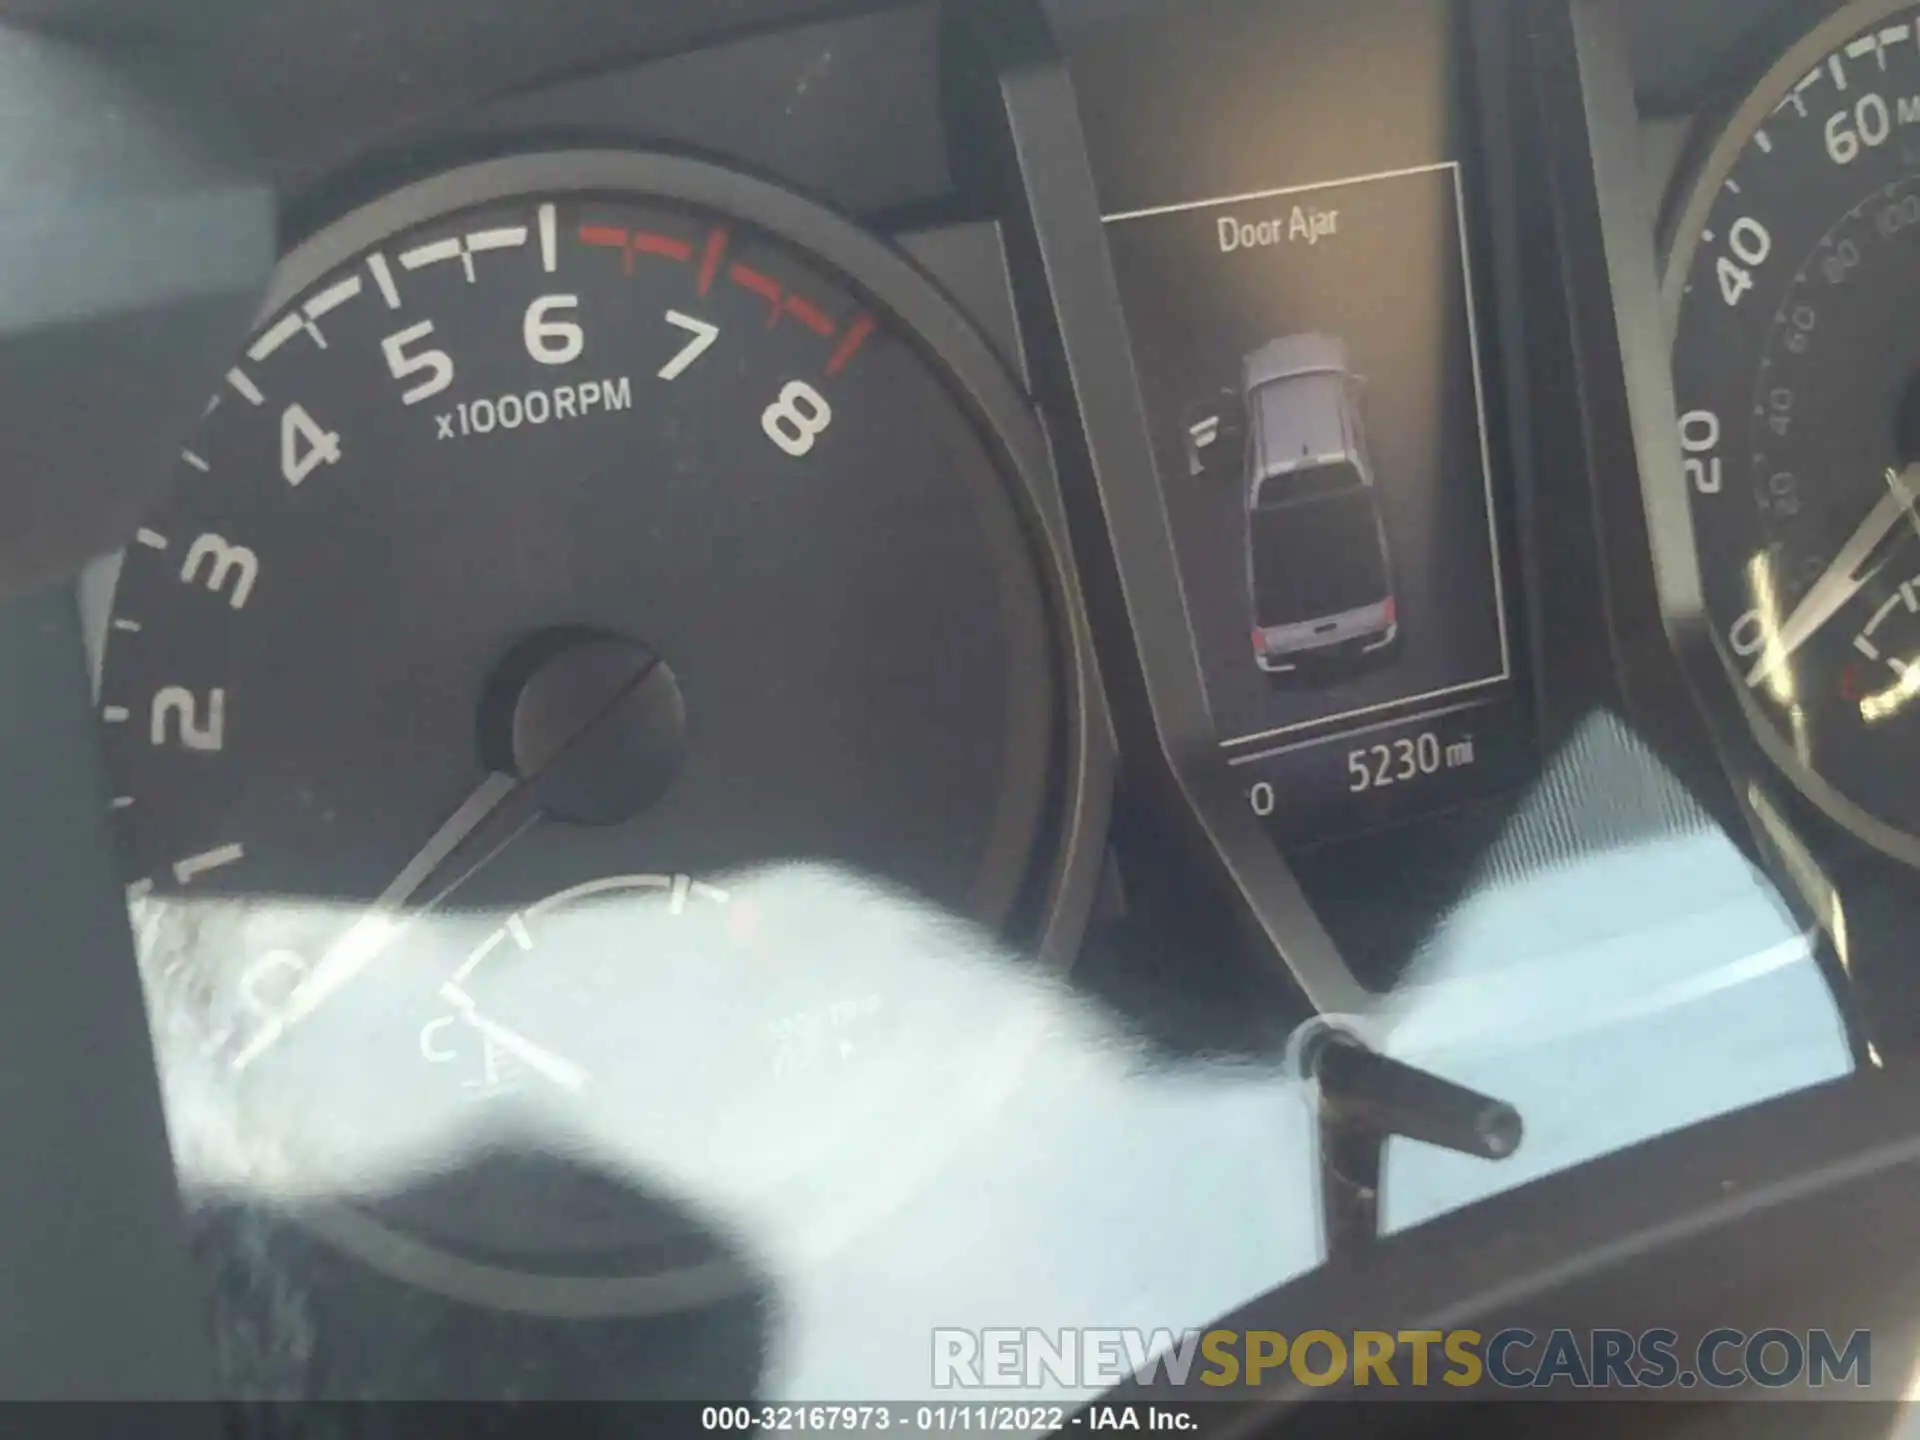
(1842, 579)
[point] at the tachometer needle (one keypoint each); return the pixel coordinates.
(383, 922)
(1842, 579)
(577, 697)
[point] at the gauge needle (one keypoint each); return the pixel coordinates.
(500, 808)
(575, 717)
(383, 922)
(562, 1072)
(1842, 579)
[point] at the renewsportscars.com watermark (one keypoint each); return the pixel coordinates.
(1513, 1359)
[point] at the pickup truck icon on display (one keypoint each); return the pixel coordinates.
(1319, 571)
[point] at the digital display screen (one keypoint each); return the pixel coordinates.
(1310, 356)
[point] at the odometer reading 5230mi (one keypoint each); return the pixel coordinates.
(1793, 280)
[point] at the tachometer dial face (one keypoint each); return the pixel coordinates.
(570, 521)
(1793, 281)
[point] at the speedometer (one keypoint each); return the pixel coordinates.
(623, 563)
(1793, 284)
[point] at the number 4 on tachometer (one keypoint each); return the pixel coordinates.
(305, 445)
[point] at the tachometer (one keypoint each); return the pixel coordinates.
(1793, 281)
(608, 556)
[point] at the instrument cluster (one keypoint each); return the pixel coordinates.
(703, 555)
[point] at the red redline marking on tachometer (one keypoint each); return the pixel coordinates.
(780, 303)
(710, 259)
(765, 286)
(645, 242)
(849, 346)
(640, 242)
(613, 238)
(811, 316)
